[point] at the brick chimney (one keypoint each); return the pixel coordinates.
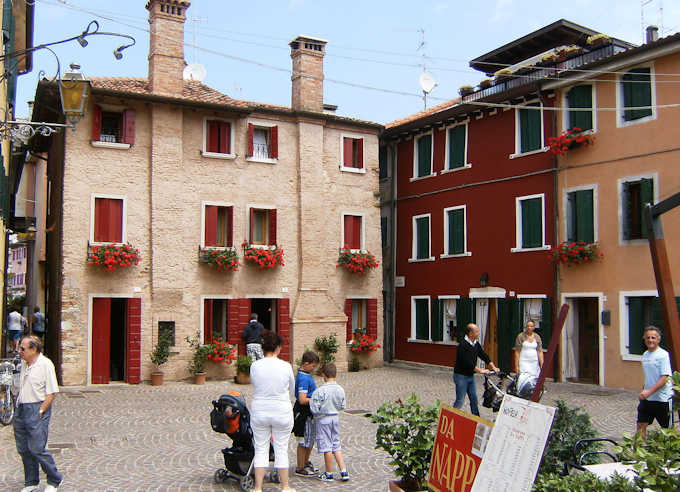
(166, 46)
(307, 91)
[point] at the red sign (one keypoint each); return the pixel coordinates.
(458, 449)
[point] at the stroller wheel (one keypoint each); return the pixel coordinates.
(247, 483)
(274, 477)
(220, 475)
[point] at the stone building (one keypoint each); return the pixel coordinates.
(178, 170)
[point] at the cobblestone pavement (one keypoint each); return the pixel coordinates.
(121, 438)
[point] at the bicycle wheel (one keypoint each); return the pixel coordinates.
(6, 406)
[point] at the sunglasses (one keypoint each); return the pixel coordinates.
(22, 349)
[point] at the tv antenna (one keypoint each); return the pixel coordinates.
(195, 71)
(426, 81)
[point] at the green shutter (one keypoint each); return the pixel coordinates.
(530, 128)
(580, 96)
(546, 322)
(437, 321)
(424, 155)
(637, 92)
(509, 325)
(571, 216)
(636, 323)
(457, 147)
(625, 207)
(464, 315)
(456, 238)
(423, 238)
(585, 227)
(422, 321)
(646, 196)
(532, 223)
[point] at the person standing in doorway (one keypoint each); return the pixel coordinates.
(38, 326)
(252, 334)
(38, 387)
(469, 350)
(657, 391)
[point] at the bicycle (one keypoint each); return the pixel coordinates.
(9, 388)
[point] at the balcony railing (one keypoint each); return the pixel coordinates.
(261, 151)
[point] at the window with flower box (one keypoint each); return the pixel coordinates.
(580, 97)
(263, 142)
(637, 91)
(353, 231)
(107, 224)
(113, 127)
(635, 194)
(530, 223)
(422, 156)
(362, 316)
(262, 226)
(217, 138)
(218, 225)
(580, 215)
(352, 150)
(420, 248)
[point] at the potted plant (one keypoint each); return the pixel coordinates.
(356, 262)
(198, 358)
(406, 431)
(575, 253)
(224, 259)
(485, 84)
(159, 355)
(570, 139)
(113, 256)
(465, 90)
(266, 257)
(598, 40)
(243, 363)
(326, 346)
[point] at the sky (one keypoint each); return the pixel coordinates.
(375, 53)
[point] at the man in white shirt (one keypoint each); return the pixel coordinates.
(38, 387)
(15, 328)
(657, 391)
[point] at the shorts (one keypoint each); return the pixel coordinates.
(650, 410)
(307, 441)
(254, 351)
(14, 334)
(327, 434)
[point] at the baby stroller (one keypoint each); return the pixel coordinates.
(520, 385)
(230, 416)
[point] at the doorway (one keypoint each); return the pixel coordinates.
(581, 355)
(109, 337)
(266, 312)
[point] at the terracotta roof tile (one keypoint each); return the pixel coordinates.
(422, 114)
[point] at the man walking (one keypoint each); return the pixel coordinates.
(657, 392)
(15, 328)
(469, 350)
(38, 326)
(38, 387)
(252, 334)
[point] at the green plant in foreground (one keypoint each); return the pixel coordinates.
(161, 351)
(657, 459)
(582, 482)
(199, 356)
(243, 363)
(327, 347)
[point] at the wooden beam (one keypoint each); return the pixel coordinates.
(552, 349)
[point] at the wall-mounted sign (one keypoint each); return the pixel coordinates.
(399, 281)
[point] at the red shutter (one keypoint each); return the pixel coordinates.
(251, 222)
(212, 136)
(360, 153)
(96, 123)
(129, 126)
(356, 233)
(133, 349)
(347, 152)
(210, 225)
(207, 320)
(225, 137)
(347, 231)
(372, 317)
(230, 226)
(251, 131)
(234, 328)
(271, 239)
(283, 328)
(244, 311)
(101, 340)
(348, 312)
(274, 145)
(101, 217)
(353, 231)
(115, 234)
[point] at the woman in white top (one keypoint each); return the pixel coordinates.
(271, 412)
(528, 351)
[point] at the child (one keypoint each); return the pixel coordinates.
(304, 388)
(327, 401)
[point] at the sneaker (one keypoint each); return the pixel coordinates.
(326, 477)
(50, 488)
(30, 488)
(310, 466)
(304, 472)
(344, 476)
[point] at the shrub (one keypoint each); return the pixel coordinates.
(326, 346)
(582, 482)
(200, 355)
(161, 351)
(657, 459)
(243, 363)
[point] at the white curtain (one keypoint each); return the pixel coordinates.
(482, 317)
(571, 346)
(449, 316)
(533, 309)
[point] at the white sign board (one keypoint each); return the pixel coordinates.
(399, 281)
(515, 447)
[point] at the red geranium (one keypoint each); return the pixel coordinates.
(221, 352)
(356, 262)
(263, 256)
(363, 343)
(572, 138)
(113, 256)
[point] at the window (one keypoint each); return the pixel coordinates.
(113, 127)
(263, 142)
(215, 319)
(445, 312)
(218, 226)
(422, 159)
(580, 216)
(635, 194)
(167, 329)
(382, 163)
(352, 231)
(362, 316)
(580, 96)
(530, 223)
(636, 92)
(456, 147)
(352, 153)
(529, 128)
(421, 238)
(420, 317)
(538, 308)
(384, 232)
(108, 220)
(263, 226)
(217, 138)
(638, 309)
(455, 231)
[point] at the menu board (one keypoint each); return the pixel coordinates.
(515, 447)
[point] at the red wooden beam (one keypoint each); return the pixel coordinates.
(550, 355)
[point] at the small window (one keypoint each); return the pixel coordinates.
(634, 196)
(353, 231)
(423, 156)
(455, 229)
(112, 125)
(218, 137)
(263, 227)
(421, 237)
(457, 147)
(117, 127)
(218, 226)
(382, 163)
(642, 312)
(352, 153)
(263, 142)
(580, 216)
(108, 220)
(167, 329)
(530, 225)
(420, 318)
(580, 96)
(530, 128)
(358, 315)
(636, 86)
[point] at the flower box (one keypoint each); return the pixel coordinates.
(363, 344)
(466, 90)
(571, 139)
(356, 262)
(113, 256)
(266, 257)
(575, 253)
(224, 259)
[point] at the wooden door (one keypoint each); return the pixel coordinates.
(491, 339)
(588, 340)
(133, 341)
(101, 340)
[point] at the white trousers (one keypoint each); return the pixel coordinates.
(271, 419)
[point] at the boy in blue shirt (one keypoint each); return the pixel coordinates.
(304, 425)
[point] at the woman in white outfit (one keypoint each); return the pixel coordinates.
(528, 351)
(271, 410)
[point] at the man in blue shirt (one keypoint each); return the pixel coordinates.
(657, 392)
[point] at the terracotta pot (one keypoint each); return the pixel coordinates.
(242, 378)
(156, 378)
(199, 378)
(395, 486)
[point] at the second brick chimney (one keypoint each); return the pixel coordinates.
(166, 46)
(307, 78)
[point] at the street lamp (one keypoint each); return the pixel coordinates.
(74, 90)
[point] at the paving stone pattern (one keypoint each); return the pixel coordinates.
(121, 438)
